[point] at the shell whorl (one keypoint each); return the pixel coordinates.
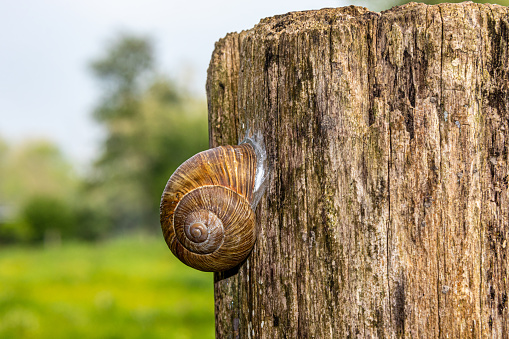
(205, 211)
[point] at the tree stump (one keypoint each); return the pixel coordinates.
(386, 213)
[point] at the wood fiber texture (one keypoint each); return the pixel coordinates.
(386, 213)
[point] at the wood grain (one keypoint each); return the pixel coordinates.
(386, 213)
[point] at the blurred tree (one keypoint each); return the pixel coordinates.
(35, 171)
(377, 6)
(151, 127)
(121, 71)
(3, 149)
(49, 217)
(92, 220)
(36, 167)
(434, 2)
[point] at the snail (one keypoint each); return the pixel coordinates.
(207, 207)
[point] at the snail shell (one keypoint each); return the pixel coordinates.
(205, 211)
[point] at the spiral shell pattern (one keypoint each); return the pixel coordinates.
(205, 211)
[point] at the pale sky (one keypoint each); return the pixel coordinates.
(46, 89)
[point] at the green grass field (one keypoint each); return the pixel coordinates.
(131, 287)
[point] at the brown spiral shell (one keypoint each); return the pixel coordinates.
(205, 211)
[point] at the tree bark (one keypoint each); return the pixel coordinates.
(386, 213)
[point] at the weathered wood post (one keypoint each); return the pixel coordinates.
(387, 134)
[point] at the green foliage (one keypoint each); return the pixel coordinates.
(381, 5)
(15, 231)
(170, 132)
(120, 72)
(127, 57)
(46, 215)
(151, 127)
(434, 2)
(36, 195)
(92, 220)
(36, 167)
(130, 287)
(3, 152)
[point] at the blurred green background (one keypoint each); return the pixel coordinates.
(127, 287)
(82, 254)
(382, 5)
(81, 251)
